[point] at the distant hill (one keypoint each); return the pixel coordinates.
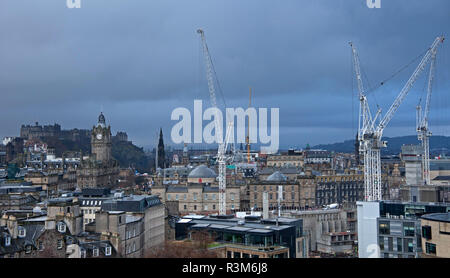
(438, 145)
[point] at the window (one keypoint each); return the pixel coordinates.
(21, 232)
(391, 244)
(184, 197)
(384, 228)
(206, 207)
(408, 245)
(214, 207)
(195, 196)
(426, 232)
(214, 196)
(134, 246)
(108, 250)
(195, 207)
(381, 243)
(83, 253)
(232, 196)
(205, 196)
(61, 227)
(408, 228)
(399, 245)
(430, 248)
(40, 245)
(185, 207)
(168, 197)
(28, 249)
(176, 197)
(256, 196)
(59, 244)
(95, 252)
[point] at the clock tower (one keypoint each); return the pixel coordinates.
(101, 140)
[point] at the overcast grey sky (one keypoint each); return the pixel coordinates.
(141, 59)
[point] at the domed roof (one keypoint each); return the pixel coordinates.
(202, 171)
(277, 176)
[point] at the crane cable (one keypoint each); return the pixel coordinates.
(396, 72)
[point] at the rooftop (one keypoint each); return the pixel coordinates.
(440, 217)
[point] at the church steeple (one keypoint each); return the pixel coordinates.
(161, 153)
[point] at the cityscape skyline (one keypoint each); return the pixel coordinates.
(139, 69)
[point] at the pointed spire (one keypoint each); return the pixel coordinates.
(101, 119)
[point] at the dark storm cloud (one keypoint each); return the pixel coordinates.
(140, 59)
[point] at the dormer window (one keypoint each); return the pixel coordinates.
(22, 232)
(108, 250)
(61, 227)
(28, 249)
(7, 241)
(95, 252)
(83, 253)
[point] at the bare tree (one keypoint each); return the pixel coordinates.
(195, 248)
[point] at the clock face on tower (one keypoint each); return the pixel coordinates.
(99, 136)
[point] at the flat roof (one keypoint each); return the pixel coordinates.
(200, 225)
(238, 228)
(264, 231)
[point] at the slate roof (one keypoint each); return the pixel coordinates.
(133, 203)
(177, 189)
(277, 176)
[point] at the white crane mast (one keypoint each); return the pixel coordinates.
(222, 159)
(423, 133)
(222, 144)
(365, 129)
(370, 136)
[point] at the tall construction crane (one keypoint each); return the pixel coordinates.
(222, 144)
(247, 139)
(423, 133)
(370, 134)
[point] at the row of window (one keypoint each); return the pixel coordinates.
(351, 178)
(89, 211)
(403, 245)
(408, 228)
(205, 197)
(205, 207)
(91, 203)
(131, 234)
